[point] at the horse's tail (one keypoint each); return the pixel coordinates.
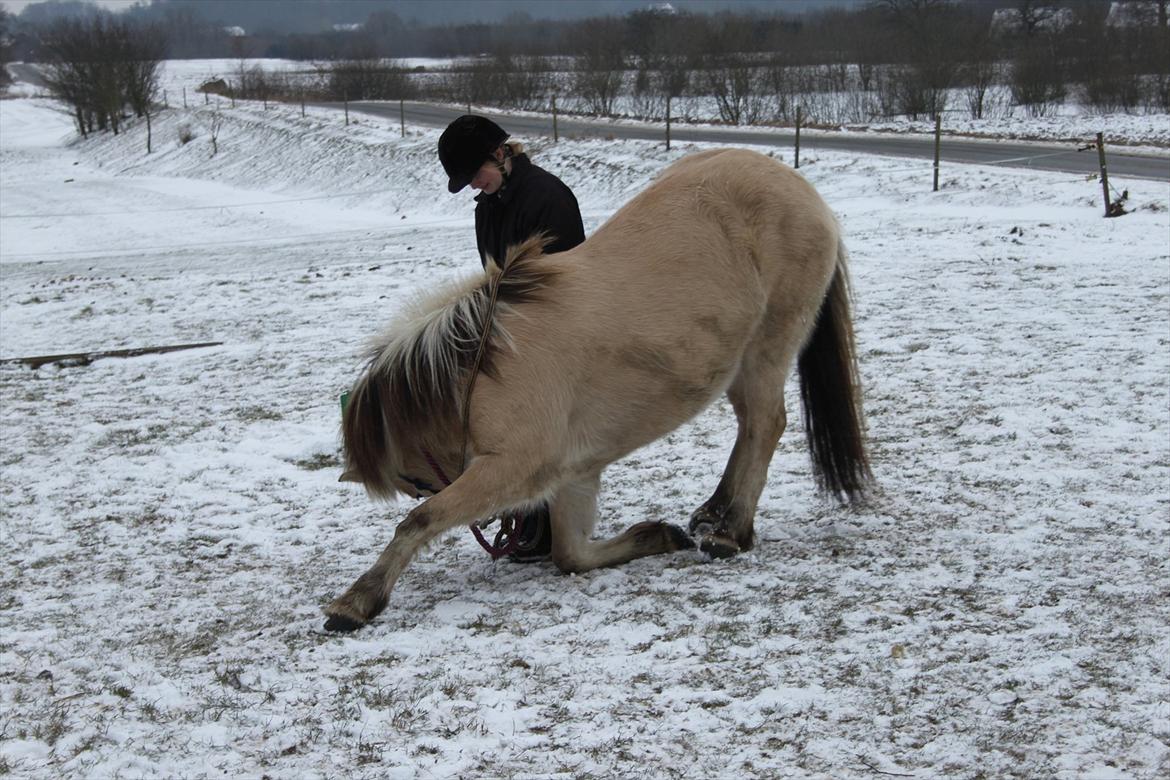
(365, 433)
(830, 390)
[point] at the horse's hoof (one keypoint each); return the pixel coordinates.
(342, 625)
(718, 546)
(703, 522)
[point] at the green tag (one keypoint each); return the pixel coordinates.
(344, 401)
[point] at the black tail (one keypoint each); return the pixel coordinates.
(830, 390)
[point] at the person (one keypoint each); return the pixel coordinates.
(516, 200)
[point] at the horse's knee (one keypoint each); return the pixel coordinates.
(417, 524)
(568, 561)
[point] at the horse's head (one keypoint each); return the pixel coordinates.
(416, 477)
(392, 447)
(403, 424)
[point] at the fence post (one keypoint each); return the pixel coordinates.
(402, 115)
(184, 97)
(1104, 173)
(346, 99)
(206, 98)
(668, 123)
(148, 150)
(937, 145)
(302, 104)
(556, 130)
(796, 159)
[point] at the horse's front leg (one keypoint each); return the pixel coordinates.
(481, 491)
(574, 514)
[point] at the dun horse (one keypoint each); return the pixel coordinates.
(716, 278)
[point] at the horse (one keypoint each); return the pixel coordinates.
(715, 279)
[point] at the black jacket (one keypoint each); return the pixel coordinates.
(532, 201)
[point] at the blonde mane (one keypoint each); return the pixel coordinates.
(422, 360)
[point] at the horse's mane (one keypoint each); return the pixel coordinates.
(423, 358)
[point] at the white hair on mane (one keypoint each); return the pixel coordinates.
(427, 339)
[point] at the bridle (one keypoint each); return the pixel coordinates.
(507, 538)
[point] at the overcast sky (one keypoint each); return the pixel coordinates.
(536, 8)
(16, 6)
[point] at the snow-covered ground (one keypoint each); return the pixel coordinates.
(171, 525)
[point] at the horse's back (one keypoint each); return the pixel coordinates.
(724, 225)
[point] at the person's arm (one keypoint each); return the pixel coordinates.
(560, 217)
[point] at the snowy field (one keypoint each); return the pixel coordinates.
(171, 525)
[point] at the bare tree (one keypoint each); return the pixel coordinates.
(5, 47)
(78, 72)
(528, 83)
(100, 67)
(731, 79)
(139, 63)
(1035, 16)
(660, 44)
(928, 31)
(1038, 78)
(600, 65)
(369, 79)
(730, 73)
(980, 70)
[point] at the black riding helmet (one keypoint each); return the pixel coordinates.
(465, 145)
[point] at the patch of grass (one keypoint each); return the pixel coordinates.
(318, 462)
(258, 413)
(133, 437)
(462, 724)
(345, 706)
(229, 677)
(52, 729)
(481, 626)
(406, 716)
(151, 712)
(368, 752)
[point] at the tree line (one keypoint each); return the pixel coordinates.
(104, 68)
(917, 58)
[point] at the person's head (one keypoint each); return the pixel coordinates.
(472, 151)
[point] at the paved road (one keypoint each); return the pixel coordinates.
(1050, 157)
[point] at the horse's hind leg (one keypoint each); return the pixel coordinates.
(724, 524)
(574, 514)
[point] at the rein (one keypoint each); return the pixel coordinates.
(508, 537)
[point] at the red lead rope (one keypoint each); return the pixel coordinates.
(507, 538)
